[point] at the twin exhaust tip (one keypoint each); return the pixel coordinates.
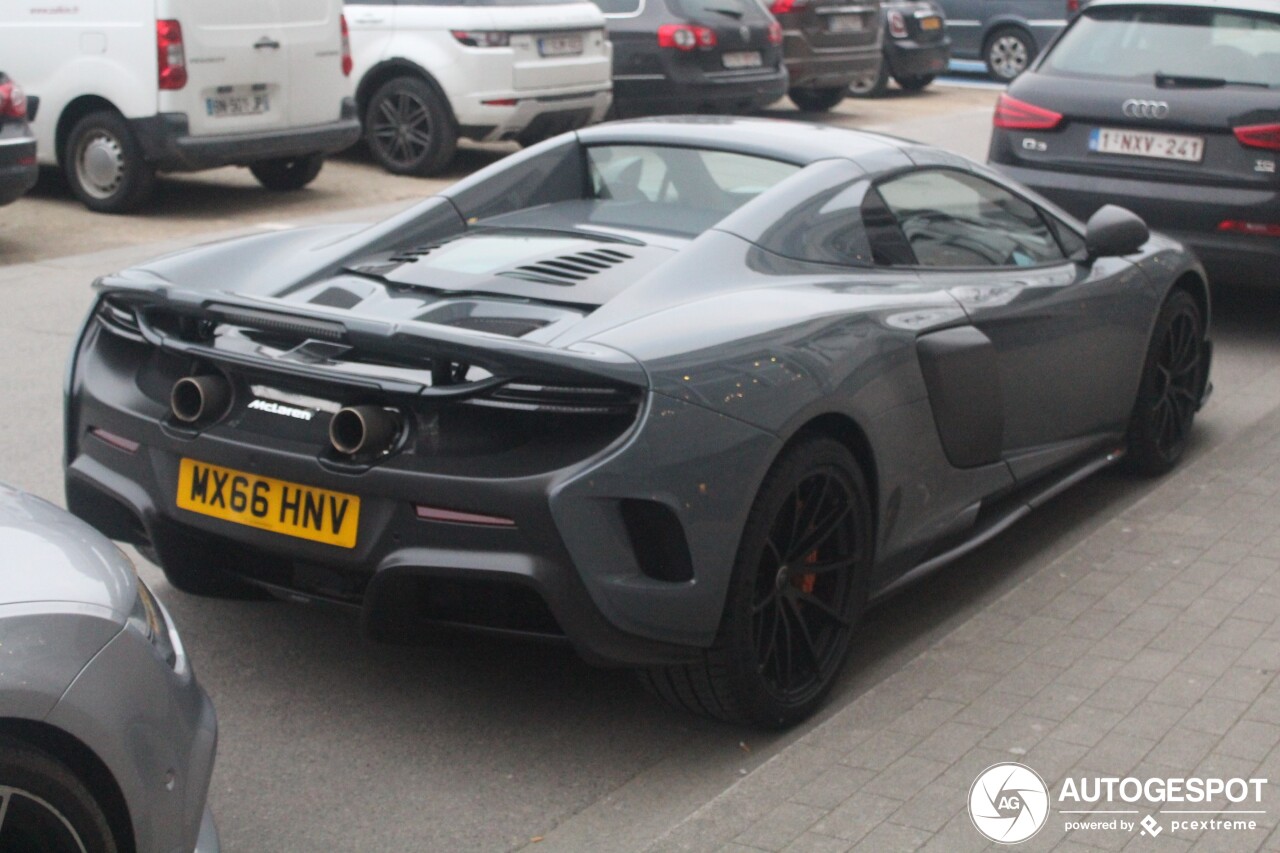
(363, 429)
(353, 430)
(199, 398)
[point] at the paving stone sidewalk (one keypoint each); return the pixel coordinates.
(1151, 649)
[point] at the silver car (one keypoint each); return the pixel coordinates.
(106, 739)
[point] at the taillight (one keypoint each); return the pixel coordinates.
(685, 37)
(171, 55)
(482, 38)
(1259, 136)
(1257, 229)
(782, 7)
(13, 102)
(775, 32)
(347, 62)
(1012, 114)
(1073, 6)
(897, 24)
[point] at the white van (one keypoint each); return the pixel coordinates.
(129, 87)
(430, 71)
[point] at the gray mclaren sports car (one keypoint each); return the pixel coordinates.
(687, 393)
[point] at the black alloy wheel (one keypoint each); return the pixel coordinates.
(407, 128)
(1173, 382)
(285, 174)
(797, 586)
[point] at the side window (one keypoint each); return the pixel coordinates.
(889, 246)
(954, 219)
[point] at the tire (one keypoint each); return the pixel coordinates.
(285, 174)
(777, 680)
(409, 129)
(104, 165)
(914, 83)
(46, 808)
(817, 100)
(1173, 381)
(871, 85)
(197, 566)
(1008, 52)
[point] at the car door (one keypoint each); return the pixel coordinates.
(1066, 335)
(964, 24)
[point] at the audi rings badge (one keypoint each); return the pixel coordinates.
(1138, 108)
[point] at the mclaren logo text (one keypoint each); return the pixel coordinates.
(281, 409)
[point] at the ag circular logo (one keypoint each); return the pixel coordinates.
(1008, 802)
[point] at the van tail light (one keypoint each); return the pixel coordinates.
(1012, 114)
(782, 7)
(775, 33)
(897, 24)
(171, 55)
(1073, 6)
(1259, 136)
(685, 37)
(347, 63)
(1257, 229)
(13, 103)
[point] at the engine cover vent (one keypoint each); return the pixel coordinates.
(568, 270)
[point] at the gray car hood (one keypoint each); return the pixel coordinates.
(49, 555)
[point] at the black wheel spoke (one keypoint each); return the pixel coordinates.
(809, 646)
(823, 608)
(819, 536)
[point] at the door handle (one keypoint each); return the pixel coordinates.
(266, 42)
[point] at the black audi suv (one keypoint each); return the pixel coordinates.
(1168, 108)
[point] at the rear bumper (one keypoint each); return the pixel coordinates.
(814, 68)
(533, 115)
(18, 169)
(1189, 213)
(908, 58)
(639, 94)
(168, 144)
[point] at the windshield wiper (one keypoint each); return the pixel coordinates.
(1186, 81)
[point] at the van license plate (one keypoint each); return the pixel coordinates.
(1141, 143)
(742, 59)
(269, 504)
(844, 23)
(569, 44)
(224, 106)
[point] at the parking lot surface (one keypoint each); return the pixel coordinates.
(331, 742)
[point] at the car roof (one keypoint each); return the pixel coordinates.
(1224, 5)
(801, 143)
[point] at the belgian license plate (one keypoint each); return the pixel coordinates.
(569, 44)
(269, 504)
(742, 59)
(844, 23)
(930, 24)
(225, 106)
(1141, 143)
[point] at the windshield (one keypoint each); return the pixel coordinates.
(1195, 44)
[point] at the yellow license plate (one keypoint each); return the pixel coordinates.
(930, 24)
(269, 504)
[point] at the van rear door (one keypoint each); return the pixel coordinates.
(313, 36)
(237, 66)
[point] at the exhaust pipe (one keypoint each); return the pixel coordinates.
(363, 429)
(196, 398)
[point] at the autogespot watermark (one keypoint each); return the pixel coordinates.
(1009, 803)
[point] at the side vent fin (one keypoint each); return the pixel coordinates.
(568, 270)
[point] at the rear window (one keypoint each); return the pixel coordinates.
(479, 2)
(1199, 44)
(696, 186)
(701, 10)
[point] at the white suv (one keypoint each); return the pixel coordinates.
(430, 71)
(129, 87)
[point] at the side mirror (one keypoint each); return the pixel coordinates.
(1114, 231)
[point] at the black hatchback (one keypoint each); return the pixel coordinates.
(694, 56)
(1168, 108)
